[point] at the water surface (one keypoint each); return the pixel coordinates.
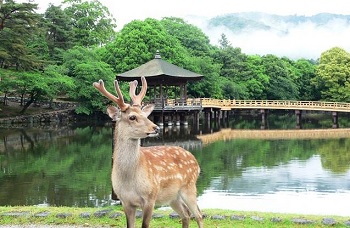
(70, 166)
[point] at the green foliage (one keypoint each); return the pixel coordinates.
(190, 36)
(18, 23)
(59, 33)
(281, 80)
(305, 71)
(84, 67)
(138, 42)
(79, 43)
(210, 85)
(333, 75)
(92, 23)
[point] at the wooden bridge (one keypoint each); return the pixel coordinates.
(226, 105)
(275, 104)
(216, 108)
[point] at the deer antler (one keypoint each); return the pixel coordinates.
(118, 100)
(137, 99)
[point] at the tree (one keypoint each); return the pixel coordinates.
(258, 80)
(211, 84)
(233, 67)
(18, 22)
(190, 36)
(138, 42)
(6, 84)
(84, 67)
(333, 75)
(34, 86)
(59, 32)
(92, 23)
(281, 85)
(306, 73)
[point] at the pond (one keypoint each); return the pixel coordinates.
(278, 169)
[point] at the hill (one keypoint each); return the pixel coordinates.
(252, 21)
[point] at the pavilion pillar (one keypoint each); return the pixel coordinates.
(177, 119)
(335, 120)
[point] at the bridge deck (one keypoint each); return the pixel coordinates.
(200, 103)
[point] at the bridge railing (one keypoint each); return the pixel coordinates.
(275, 104)
(199, 103)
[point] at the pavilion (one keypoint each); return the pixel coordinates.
(163, 79)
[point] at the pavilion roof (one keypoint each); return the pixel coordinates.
(159, 70)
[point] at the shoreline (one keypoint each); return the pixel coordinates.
(26, 216)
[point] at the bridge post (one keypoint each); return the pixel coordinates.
(263, 113)
(335, 120)
(207, 117)
(196, 119)
(298, 119)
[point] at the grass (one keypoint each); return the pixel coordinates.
(75, 218)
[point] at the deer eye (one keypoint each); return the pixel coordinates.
(132, 118)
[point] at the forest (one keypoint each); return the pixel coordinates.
(59, 54)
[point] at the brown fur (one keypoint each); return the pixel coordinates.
(147, 176)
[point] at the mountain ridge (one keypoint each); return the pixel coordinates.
(252, 21)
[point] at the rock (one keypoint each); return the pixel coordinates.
(276, 220)
(85, 215)
(116, 215)
(157, 216)
(138, 214)
(329, 221)
(101, 213)
(174, 215)
(301, 221)
(237, 217)
(64, 215)
(42, 214)
(16, 213)
(257, 218)
(218, 217)
(347, 223)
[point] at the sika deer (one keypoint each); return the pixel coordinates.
(148, 176)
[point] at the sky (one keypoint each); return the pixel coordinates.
(305, 41)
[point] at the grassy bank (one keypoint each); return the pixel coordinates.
(114, 217)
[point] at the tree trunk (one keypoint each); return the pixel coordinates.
(26, 105)
(5, 99)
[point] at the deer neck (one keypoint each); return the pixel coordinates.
(126, 154)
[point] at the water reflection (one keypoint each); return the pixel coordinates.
(296, 187)
(70, 166)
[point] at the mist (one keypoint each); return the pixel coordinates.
(295, 41)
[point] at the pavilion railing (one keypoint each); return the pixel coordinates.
(169, 104)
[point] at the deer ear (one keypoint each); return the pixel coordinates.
(113, 112)
(147, 110)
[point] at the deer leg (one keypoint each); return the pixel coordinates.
(147, 212)
(180, 207)
(189, 196)
(130, 211)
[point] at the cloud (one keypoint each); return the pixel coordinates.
(305, 40)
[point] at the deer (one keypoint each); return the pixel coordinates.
(143, 177)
